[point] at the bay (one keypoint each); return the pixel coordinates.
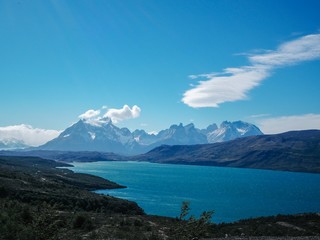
(233, 193)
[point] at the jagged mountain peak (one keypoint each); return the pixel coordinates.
(181, 126)
(103, 135)
(100, 135)
(189, 126)
(179, 134)
(125, 131)
(138, 132)
(232, 130)
(212, 127)
(176, 126)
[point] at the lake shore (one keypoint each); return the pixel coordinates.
(36, 202)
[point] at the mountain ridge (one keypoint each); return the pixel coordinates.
(297, 151)
(291, 151)
(103, 136)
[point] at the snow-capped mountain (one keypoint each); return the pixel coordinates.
(181, 135)
(144, 138)
(12, 143)
(209, 129)
(232, 130)
(89, 136)
(105, 137)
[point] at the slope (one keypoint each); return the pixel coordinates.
(291, 151)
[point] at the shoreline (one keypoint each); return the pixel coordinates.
(36, 185)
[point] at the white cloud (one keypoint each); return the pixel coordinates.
(299, 50)
(90, 114)
(118, 115)
(206, 75)
(289, 123)
(31, 136)
(96, 117)
(233, 84)
(259, 115)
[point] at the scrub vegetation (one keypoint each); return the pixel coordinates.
(40, 201)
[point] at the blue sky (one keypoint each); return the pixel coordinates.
(59, 59)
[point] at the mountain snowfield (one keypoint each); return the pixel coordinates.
(103, 136)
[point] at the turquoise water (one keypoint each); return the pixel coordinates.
(233, 193)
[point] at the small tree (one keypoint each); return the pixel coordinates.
(185, 209)
(192, 228)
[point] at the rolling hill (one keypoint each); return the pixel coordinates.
(291, 151)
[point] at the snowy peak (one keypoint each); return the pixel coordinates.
(93, 136)
(144, 138)
(100, 122)
(232, 130)
(102, 135)
(179, 134)
(212, 127)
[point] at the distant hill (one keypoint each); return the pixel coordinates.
(292, 151)
(66, 156)
(104, 136)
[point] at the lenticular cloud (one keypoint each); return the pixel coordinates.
(233, 84)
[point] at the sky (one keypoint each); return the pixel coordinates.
(150, 64)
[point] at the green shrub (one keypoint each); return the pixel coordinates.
(191, 228)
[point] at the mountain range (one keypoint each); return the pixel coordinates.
(104, 136)
(291, 151)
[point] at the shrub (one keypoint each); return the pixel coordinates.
(191, 228)
(82, 221)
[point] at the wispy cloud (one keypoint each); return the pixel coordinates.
(205, 75)
(261, 115)
(29, 135)
(303, 49)
(233, 84)
(116, 115)
(289, 123)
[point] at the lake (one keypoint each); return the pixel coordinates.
(233, 193)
